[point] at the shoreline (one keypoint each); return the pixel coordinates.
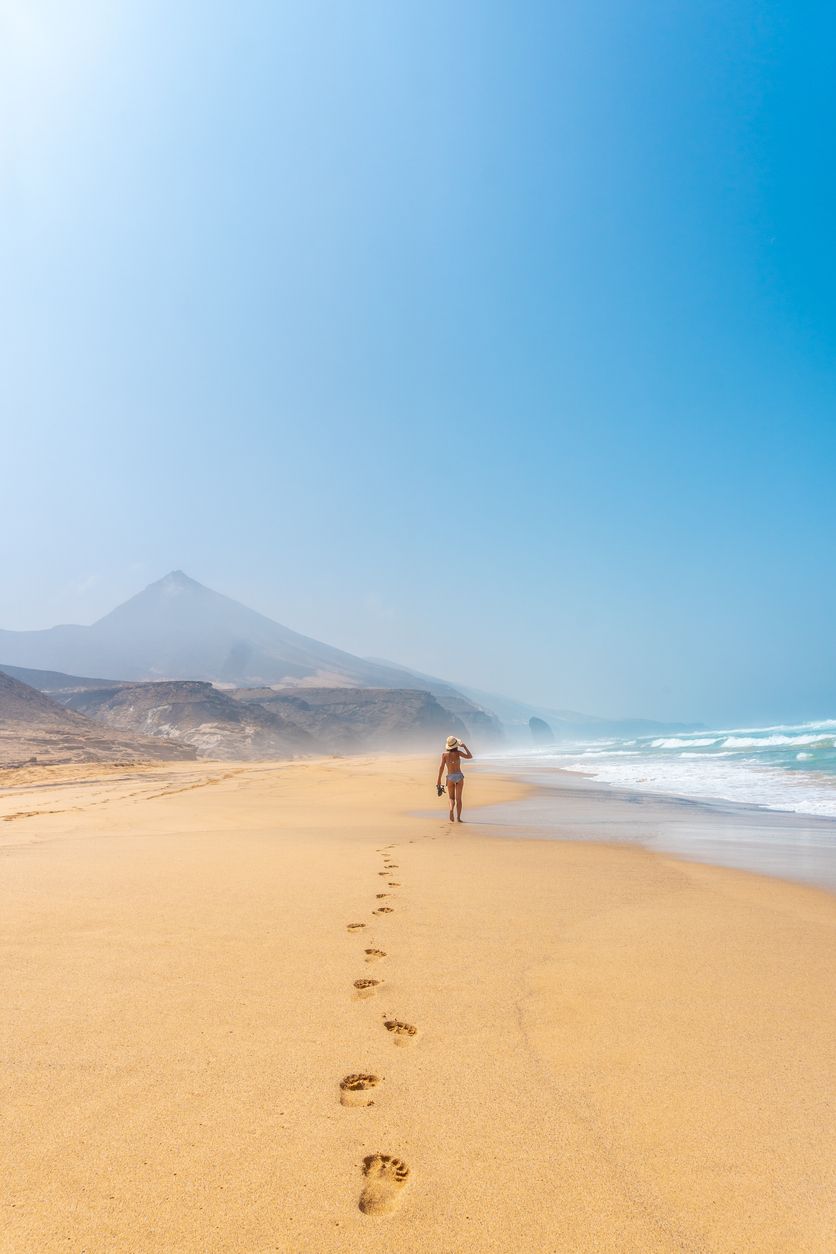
(781, 844)
(612, 1049)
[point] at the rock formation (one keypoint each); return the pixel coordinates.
(198, 715)
(35, 728)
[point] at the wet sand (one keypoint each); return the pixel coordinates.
(565, 805)
(568, 1046)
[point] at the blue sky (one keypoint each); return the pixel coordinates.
(495, 339)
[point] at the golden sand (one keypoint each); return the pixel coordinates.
(570, 1047)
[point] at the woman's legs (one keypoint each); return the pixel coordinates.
(451, 793)
(459, 790)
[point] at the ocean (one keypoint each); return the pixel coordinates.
(788, 767)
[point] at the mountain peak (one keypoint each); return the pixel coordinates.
(176, 598)
(176, 581)
(175, 585)
(177, 628)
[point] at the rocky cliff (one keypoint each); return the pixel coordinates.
(541, 733)
(33, 727)
(350, 719)
(198, 715)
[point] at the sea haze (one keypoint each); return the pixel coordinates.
(785, 767)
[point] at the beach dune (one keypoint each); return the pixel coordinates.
(219, 1037)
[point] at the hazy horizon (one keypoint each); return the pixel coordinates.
(499, 343)
(534, 701)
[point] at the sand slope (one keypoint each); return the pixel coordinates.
(612, 1051)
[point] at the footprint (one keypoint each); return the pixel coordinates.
(403, 1033)
(374, 955)
(394, 884)
(383, 894)
(392, 866)
(365, 988)
(383, 910)
(385, 1181)
(355, 927)
(383, 872)
(354, 1089)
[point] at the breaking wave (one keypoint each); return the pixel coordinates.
(781, 767)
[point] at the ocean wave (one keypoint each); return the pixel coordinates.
(744, 782)
(676, 742)
(823, 807)
(771, 742)
(609, 753)
(783, 767)
(816, 725)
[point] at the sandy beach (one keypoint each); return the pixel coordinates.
(569, 1046)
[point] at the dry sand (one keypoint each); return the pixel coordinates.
(612, 1050)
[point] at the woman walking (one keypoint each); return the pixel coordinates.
(451, 760)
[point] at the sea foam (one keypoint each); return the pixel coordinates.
(781, 767)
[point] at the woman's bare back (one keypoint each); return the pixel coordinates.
(451, 761)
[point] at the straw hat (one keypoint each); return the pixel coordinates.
(452, 742)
